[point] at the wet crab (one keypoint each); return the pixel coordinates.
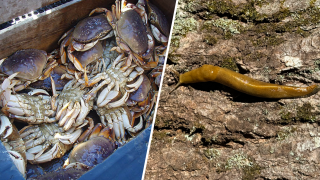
(132, 34)
(89, 56)
(158, 23)
(12, 141)
(140, 101)
(34, 107)
(83, 37)
(72, 107)
(118, 119)
(45, 142)
(116, 83)
(97, 148)
(32, 65)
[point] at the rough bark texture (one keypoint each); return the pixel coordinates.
(209, 131)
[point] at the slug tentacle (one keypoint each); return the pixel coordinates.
(244, 83)
(179, 83)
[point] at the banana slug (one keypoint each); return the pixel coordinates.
(244, 83)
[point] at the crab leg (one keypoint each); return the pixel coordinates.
(129, 127)
(48, 156)
(54, 94)
(85, 108)
(117, 60)
(6, 127)
(49, 68)
(65, 41)
(33, 143)
(128, 71)
(133, 75)
(62, 110)
(108, 96)
(90, 129)
(22, 86)
(18, 161)
(116, 126)
(120, 102)
(98, 78)
(107, 133)
(99, 10)
(119, 6)
(32, 119)
(111, 95)
(135, 85)
(27, 130)
(119, 117)
(38, 150)
(69, 138)
(109, 120)
(66, 117)
(30, 138)
(95, 131)
(6, 84)
(139, 8)
(74, 60)
(104, 94)
(71, 121)
(158, 35)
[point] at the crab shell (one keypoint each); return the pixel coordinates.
(29, 63)
(47, 141)
(158, 19)
(133, 31)
(90, 29)
(95, 150)
(139, 100)
(92, 152)
(87, 57)
(56, 75)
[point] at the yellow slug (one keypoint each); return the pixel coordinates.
(244, 83)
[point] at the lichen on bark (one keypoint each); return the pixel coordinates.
(209, 131)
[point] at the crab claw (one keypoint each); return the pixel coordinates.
(76, 165)
(46, 157)
(18, 161)
(69, 138)
(158, 35)
(125, 117)
(99, 10)
(6, 127)
(74, 60)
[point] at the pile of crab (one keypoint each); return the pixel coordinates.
(108, 65)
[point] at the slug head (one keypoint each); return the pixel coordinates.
(179, 83)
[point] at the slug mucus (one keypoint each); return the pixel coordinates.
(244, 83)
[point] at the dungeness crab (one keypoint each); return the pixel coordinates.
(34, 108)
(32, 65)
(119, 80)
(132, 34)
(158, 23)
(118, 119)
(83, 37)
(45, 142)
(99, 146)
(72, 107)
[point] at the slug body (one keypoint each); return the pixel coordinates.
(244, 83)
